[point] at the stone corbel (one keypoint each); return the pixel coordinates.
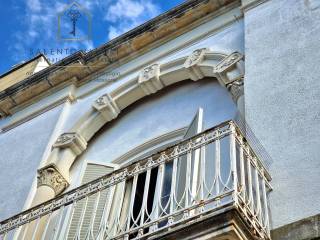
(149, 79)
(107, 107)
(229, 69)
(192, 64)
(73, 141)
(51, 177)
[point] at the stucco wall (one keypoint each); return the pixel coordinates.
(282, 94)
(21, 150)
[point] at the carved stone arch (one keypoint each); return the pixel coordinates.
(228, 69)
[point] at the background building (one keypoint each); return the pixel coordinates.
(156, 87)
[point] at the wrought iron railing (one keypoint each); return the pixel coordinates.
(198, 176)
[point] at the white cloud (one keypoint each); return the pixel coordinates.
(124, 9)
(41, 23)
(40, 32)
(123, 15)
(113, 32)
(34, 5)
(33, 33)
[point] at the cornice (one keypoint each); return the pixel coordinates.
(129, 45)
(18, 66)
(25, 113)
(251, 4)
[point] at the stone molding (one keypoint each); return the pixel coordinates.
(250, 4)
(229, 69)
(149, 79)
(228, 62)
(170, 137)
(17, 122)
(236, 88)
(107, 107)
(51, 177)
(71, 140)
(192, 63)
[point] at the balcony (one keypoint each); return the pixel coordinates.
(211, 186)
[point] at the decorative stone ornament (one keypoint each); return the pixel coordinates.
(107, 107)
(228, 70)
(50, 176)
(228, 62)
(236, 89)
(192, 64)
(149, 79)
(73, 141)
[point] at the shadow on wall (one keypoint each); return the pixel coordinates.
(254, 142)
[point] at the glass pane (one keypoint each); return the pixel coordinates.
(254, 188)
(225, 169)
(181, 181)
(210, 170)
(166, 188)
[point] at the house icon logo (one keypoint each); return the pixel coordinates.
(74, 23)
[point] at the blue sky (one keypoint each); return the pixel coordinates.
(31, 26)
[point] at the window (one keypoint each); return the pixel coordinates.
(139, 200)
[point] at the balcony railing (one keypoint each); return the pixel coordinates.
(214, 170)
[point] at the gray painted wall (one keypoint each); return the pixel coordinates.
(21, 150)
(282, 96)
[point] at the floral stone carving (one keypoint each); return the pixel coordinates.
(107, 107)
(192, 63)
(71, 140)
(149, 79)
(51, 177)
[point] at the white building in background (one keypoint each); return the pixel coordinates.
(209, 130)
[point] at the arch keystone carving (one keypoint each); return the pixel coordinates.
(107, 107)
(149, 79)
(51, 177)
(192, 63)
(74, 141)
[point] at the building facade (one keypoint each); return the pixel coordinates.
(199, 124)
